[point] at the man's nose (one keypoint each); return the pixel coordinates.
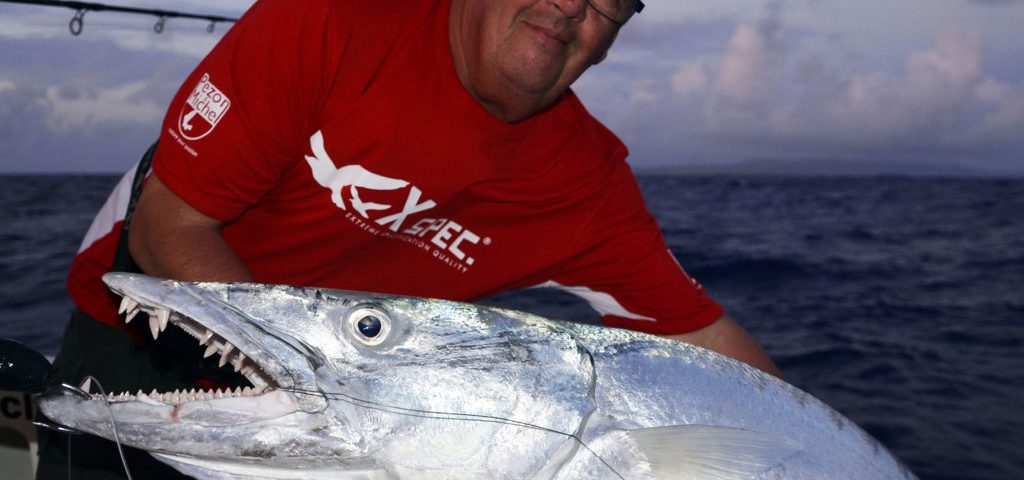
(574, 9)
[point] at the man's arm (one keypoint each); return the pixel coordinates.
(171, 239)
(727, 337)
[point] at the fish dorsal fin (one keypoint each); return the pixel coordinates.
(703, 452)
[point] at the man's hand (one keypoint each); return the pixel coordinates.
(168, 238)
(727, 337)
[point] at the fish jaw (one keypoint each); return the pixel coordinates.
(277, 414)
(255, 347)
(242, 428)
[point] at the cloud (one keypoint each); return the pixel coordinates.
(93, 102)
(687, 82)
(951, 67)
(88, 109)
(82, 103)
(929, 101)
(1003, 121)
(690, 78)
(750, 55)
(772, 89)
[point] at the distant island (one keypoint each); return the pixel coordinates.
(818, 167)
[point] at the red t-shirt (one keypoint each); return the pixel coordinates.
(338, 144)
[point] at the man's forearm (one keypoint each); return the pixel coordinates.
(170, 239)
(727, 337)
(190, 255)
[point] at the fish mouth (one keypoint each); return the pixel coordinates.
(266, 359)
(160, 317)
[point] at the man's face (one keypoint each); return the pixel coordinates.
(518, 56)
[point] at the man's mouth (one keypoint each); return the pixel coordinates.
(551, 36)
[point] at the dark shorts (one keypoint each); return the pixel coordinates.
(120, 364)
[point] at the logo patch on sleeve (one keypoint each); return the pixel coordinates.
(203, 109)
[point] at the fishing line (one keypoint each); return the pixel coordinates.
(113, 425)
(471, 417)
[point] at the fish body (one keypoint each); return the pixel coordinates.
(359, 385)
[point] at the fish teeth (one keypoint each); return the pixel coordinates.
(179, 396)
(86, 384)
(257, 380)
(154, 326)
(249, 372)
(228, 347)
(127, 304)
(160, 317)
(163, 315)
(130, 315)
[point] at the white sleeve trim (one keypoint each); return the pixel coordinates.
(112, 211)
(604, 303)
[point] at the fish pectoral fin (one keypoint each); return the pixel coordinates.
(704, 452)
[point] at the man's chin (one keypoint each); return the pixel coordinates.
(536, 80)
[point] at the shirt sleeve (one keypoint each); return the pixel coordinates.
(624, 269)
(245, 113)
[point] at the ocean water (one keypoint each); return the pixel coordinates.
(898, 301)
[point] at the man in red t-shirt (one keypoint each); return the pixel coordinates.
(516, 60)
(421, 147)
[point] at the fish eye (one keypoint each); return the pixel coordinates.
(370, 326)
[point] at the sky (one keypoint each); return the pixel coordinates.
(689, 82)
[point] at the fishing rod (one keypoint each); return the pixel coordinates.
(76, 23)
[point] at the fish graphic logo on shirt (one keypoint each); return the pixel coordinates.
(447, 235)
(354, 176)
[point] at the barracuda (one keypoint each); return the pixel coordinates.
(358, 385)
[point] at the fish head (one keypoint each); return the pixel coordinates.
(350, 380)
